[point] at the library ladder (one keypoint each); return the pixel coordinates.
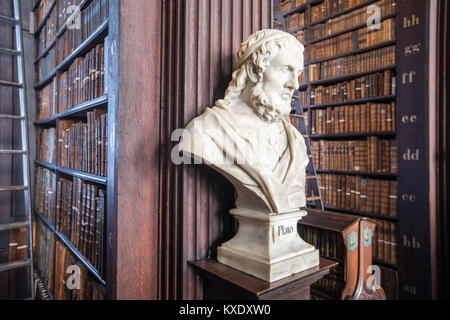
(25, 222)
(313, 191)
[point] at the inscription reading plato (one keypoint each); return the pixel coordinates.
(282, 230)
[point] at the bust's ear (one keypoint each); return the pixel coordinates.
(252, 71)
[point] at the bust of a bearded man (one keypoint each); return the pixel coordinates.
(247, 136)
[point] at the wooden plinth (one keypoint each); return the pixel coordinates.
(222, 282)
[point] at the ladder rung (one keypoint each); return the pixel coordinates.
(6, 19)
(10, 84)
(11, 117)
(13, 188)
(14, 265)
(13, 225)
(9, 51)
(312, 198)
(12, 151)
(311, 177)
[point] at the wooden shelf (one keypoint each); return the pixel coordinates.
(46, 50)
(74, 173)
(385, 264)
(300, 8)
(72, 248)
(298, 29)
(360, 213)
(383, 175)
(349, 102)
(345, 77)
(349, 53)
(101, 102)
(46, 80)
(353, 135)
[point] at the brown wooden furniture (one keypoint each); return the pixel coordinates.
(353, 238)
(222, 282)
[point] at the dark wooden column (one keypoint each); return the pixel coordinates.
(201, 40)
(135, 100)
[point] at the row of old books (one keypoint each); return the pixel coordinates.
(86, 24)
(389, 282)
(357, 193)
(92, 17)
(331, 286)
(372, 155)
(46, 101)
(80, 216)
(45, 192)
(327, 242)
(13, 245)
(49, 30)
(331, 7)
(46, 144)
(43, 251)
(84, 81)
(368, 117)
(46, 65)
(380, 58)
(369, 86)
(41, 11)
(286, 5)
(351, 20)
(384, 243)
(57, 264)
(88, 288)
(66, 10)
(352, 41)
(294, 21)
(83, 145)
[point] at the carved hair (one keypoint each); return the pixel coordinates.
(254, 56)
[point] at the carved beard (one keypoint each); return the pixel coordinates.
(269, 106)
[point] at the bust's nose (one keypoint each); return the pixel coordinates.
(292, 82)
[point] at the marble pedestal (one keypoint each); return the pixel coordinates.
(268, 246)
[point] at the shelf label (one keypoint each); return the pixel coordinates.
(409, 197)
(409, 119)
(410, 243)
(412, 49)
(410, 22)
(411, 155)
(408, 77)
(410, 289)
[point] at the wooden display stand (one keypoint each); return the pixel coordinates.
(355, 237)
(223, 283)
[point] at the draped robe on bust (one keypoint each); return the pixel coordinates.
(219, 139)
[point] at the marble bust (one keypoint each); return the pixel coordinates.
(248, 138)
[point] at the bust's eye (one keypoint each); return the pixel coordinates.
(285, 69)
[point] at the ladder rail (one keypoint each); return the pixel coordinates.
(24, 132)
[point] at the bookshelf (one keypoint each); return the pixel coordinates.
(340, 48)
(72, 122)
